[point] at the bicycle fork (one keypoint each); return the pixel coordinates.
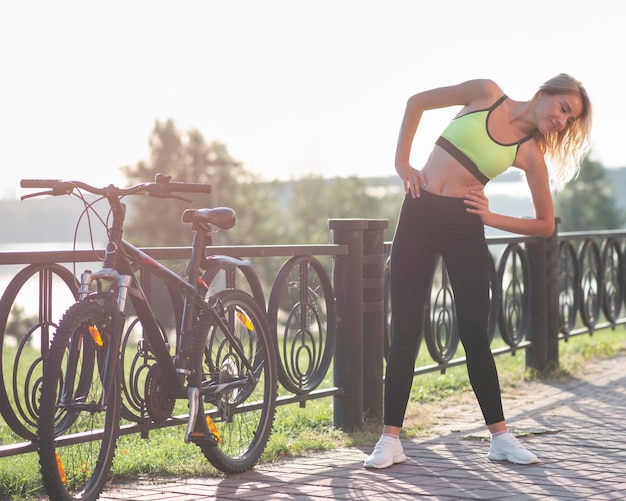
(123, 283)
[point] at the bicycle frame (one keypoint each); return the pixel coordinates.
(121, 262)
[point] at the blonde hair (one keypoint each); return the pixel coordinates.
(565, 149)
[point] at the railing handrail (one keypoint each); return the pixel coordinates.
(14, 257)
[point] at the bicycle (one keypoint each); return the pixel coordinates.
(224, 353)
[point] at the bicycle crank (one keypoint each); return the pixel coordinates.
(159, 402)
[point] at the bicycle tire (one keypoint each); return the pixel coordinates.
(21, 412)
(77, 432)
(244, 416)
(240, 277)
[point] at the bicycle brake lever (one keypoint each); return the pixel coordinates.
(38, 194)
(178, 197)
(169, 195)
(61, 188)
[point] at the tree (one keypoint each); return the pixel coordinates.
(19, 323)
(188, 158)
(588, 202)
(314, 200)
(307, 217)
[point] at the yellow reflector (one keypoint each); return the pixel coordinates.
(245, 320)
(60, 468)
(213, 429)
(95, 334)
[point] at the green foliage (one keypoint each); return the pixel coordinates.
(187, 157)
(163, 453)
(300, 430)
(313, 200)
(18, 322)
(588, 202)
(294, 212)
(576, 352)
(19, 477)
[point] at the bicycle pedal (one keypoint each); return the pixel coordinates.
(200, 438)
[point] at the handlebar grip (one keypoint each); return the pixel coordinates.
(39, 183)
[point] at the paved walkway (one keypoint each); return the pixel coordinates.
(577, 427)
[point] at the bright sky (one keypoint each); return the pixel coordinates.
(290, 86)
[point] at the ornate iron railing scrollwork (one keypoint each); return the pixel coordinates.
(302, 302)
(590, 262)
(439, 328)
(495, 293)
(441, 332)
(136, 362)
(19, 400)
(612, 279)
(568, 287)
(515, 286)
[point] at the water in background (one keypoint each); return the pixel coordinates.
(28, 296)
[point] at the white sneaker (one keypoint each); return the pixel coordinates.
(388, 451)
(507, 447)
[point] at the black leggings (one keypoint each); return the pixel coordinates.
(427, 226)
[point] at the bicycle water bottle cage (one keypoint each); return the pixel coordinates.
(222, 217)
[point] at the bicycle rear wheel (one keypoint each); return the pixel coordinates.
(245, 412)
(79, 421)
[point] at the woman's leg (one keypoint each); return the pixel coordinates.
(468, 268)
(411, 272)
(412, 263)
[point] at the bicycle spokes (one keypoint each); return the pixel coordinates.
(240, 380)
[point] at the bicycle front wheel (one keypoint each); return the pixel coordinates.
(79, 421)
(245, 410)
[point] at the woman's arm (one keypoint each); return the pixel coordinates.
(470, 93)
(542, 224)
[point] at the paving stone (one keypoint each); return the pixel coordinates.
(576, 426)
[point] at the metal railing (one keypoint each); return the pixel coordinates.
(328, 308)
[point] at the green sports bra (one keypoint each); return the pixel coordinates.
(468, 140)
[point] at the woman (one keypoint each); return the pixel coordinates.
(444, 212)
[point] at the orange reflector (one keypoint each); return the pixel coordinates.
(95, 334)
(213, 429)
(245, 320)
(61, 469)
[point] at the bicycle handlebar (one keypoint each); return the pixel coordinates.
(161, 187)
(39, 183)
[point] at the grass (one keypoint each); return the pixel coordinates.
(298, 431)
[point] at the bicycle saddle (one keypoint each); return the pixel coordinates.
(223, 217)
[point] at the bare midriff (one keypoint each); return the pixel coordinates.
(445, 176)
